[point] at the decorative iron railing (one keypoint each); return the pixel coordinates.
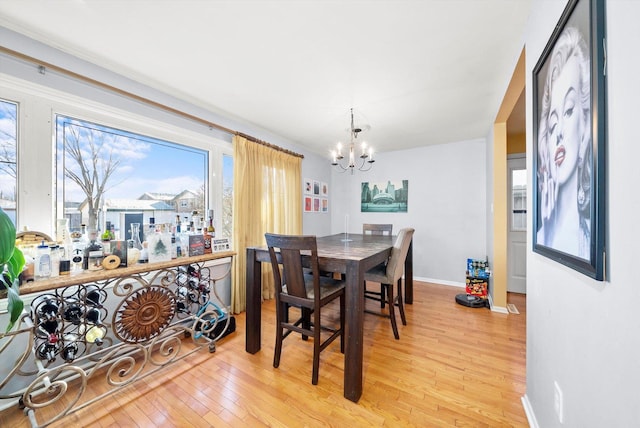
(109, 327)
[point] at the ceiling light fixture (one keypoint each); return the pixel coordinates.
(366, 158)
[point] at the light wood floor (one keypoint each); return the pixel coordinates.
(453, 366)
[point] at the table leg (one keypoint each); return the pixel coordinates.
(254, 302)
(408, 276)
(354, 336)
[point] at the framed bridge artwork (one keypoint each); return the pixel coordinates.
(384, 196)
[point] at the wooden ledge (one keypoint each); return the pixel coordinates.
(102, 275)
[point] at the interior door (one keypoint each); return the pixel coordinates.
(517, 235)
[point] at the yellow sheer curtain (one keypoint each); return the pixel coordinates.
(267, 197)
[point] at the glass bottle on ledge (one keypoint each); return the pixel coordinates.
(144, 253)
(133, 254)
(195, 221)
(63, 237)
(42, 266)
(211, 228)
(77, 249)
(93, 254)
(54, 251)
(150, 229)
(84, 236)
(135, 235)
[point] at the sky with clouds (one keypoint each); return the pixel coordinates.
(146, 164)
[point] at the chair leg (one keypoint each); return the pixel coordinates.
(400, 301)
(316, 346)
(279, 334)
(392, 310)
(306, 321)
(379, 296)
(342, 306)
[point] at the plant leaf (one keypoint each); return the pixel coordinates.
(14, 305)
(16, 263)
(7, 237)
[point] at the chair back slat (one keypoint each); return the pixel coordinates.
(377, 229)
(291, 250)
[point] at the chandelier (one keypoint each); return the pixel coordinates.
(365, 161)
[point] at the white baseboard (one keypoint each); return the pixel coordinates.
(498, 309)
(440, 281)
(528, 410)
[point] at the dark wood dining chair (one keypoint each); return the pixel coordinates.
(391, 274)
(303, 288)
(379, 229)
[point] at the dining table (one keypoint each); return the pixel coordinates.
(351, 255)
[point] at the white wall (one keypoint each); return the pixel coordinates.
(317, 168)
(447, 205)
(581, 333)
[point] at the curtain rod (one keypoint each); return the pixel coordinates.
(264, 143)
(135, 97)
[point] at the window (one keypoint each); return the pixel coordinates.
(109, 177)
(519, 199)
(8, 160)
(158, 156)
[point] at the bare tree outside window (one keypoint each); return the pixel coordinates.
(91, 163)
(8, 127)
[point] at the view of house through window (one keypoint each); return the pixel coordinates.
(109, 178)
(8, 160)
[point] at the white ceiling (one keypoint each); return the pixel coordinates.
(417, 72)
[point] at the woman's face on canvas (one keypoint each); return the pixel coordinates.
(565, 122)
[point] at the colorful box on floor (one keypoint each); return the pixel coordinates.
(477, 286)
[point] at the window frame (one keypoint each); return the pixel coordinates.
(36, 151)
(17, 143)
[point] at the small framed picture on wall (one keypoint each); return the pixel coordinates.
(308, 186)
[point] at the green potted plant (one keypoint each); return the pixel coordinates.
(11, 265)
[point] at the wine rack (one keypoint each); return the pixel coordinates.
(110, 327)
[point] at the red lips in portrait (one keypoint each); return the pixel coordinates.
(559, 158)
